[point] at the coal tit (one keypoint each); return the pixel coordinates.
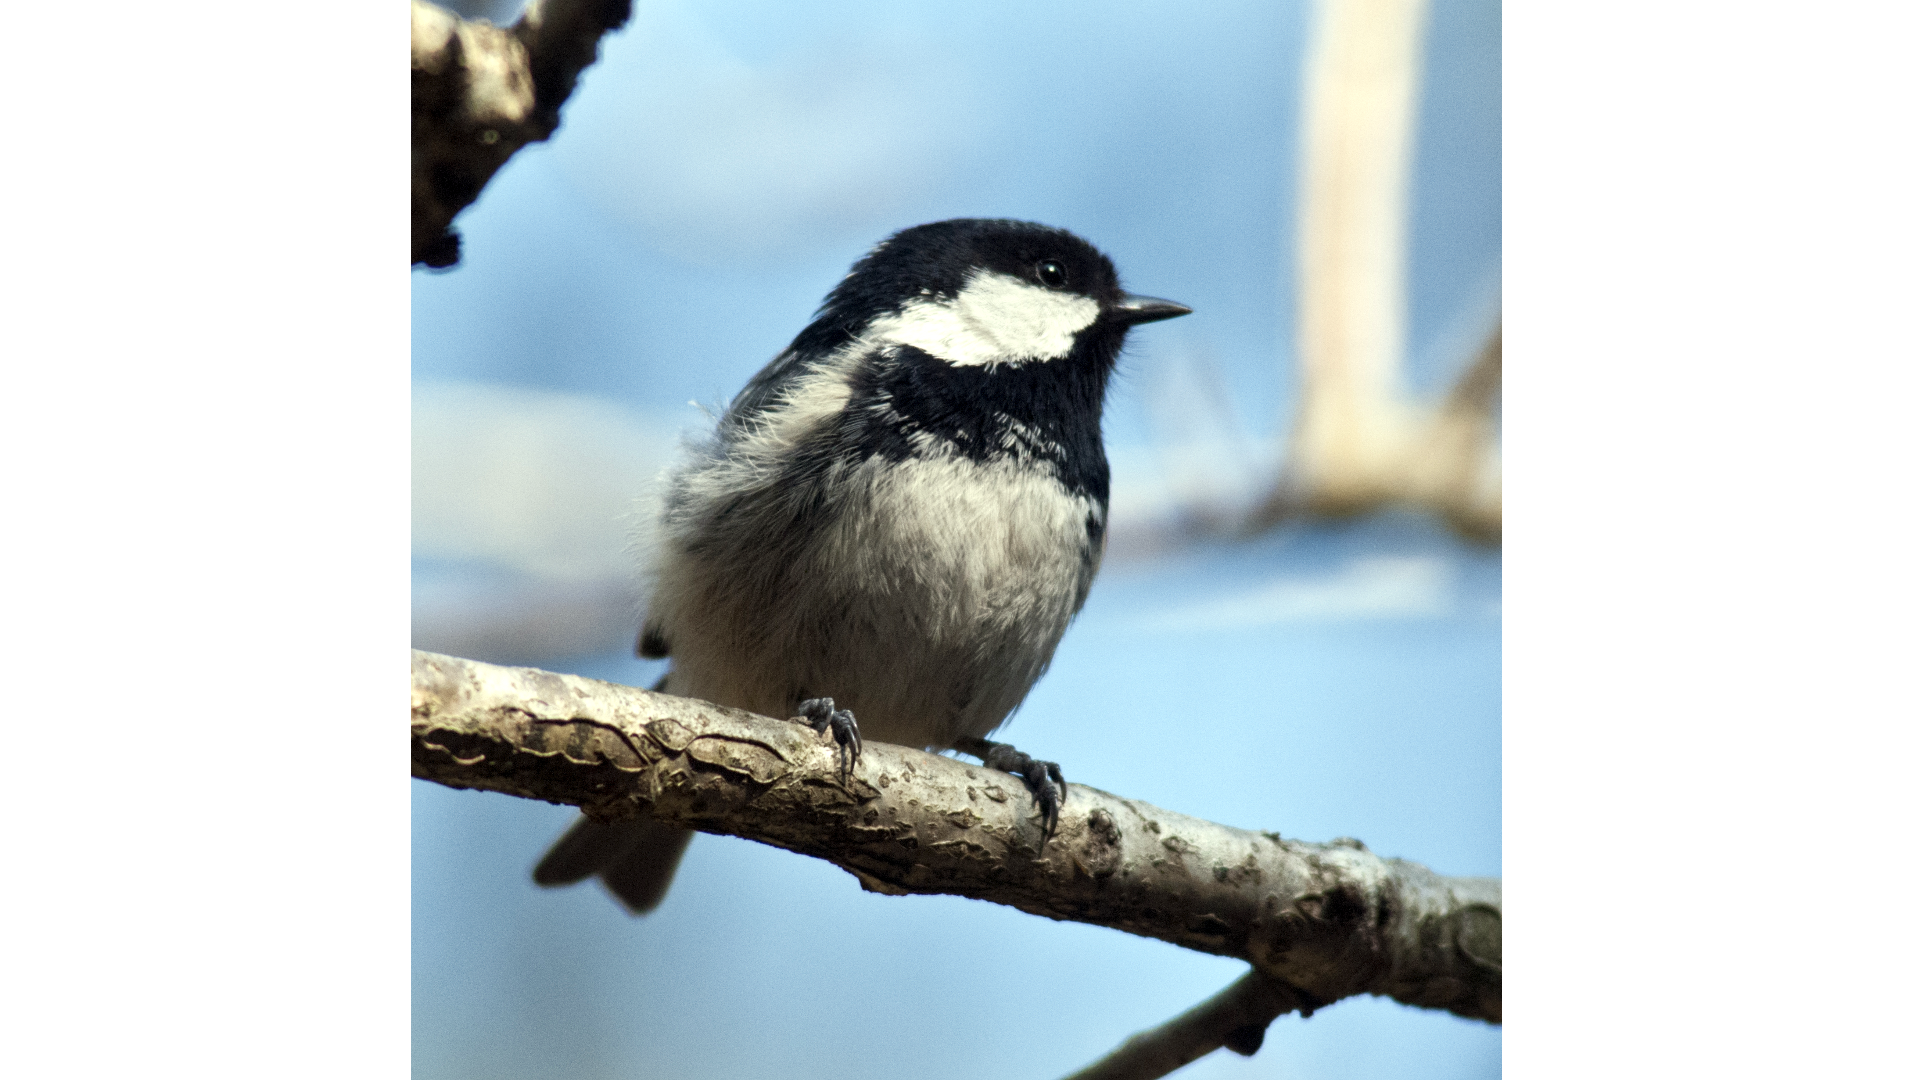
(897, 518)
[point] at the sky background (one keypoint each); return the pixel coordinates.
(715, 174)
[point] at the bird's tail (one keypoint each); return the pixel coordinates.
(635, 859)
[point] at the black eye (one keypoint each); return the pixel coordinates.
(1052, 274)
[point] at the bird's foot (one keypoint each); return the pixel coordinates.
(1042, 778)
(820, 715)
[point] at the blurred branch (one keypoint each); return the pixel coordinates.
(1323, 921)
(1358, 443)
(1235, 1018)
(481, 92)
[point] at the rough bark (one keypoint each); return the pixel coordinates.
(1327, 920)
(481, 92)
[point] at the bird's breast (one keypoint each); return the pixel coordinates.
(991, 541)
(926, 594)
(950, 581)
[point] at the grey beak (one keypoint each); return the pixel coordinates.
(1133, 310)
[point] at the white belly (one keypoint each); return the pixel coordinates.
(928, 606)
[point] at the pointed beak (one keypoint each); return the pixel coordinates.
(1133, 310)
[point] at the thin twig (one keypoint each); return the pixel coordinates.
(1235, 1018)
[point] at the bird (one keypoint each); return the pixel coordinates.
(891, 526)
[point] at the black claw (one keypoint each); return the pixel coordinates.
(1043, 780)
(1049, 812)
(1050, 791)
(820, 715)
(846, 733)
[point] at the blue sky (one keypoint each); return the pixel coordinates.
(713, 177)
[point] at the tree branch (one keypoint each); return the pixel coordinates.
(1235, 1018)
(481, 92)
(1358, 442)
(1327, 920)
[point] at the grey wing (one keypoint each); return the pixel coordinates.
(753, 399)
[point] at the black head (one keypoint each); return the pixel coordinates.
(1007, 274)
(987, 340)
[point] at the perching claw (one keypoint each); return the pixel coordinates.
(820, 715)
(1042, 778)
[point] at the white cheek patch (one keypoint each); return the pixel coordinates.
(996, 319)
